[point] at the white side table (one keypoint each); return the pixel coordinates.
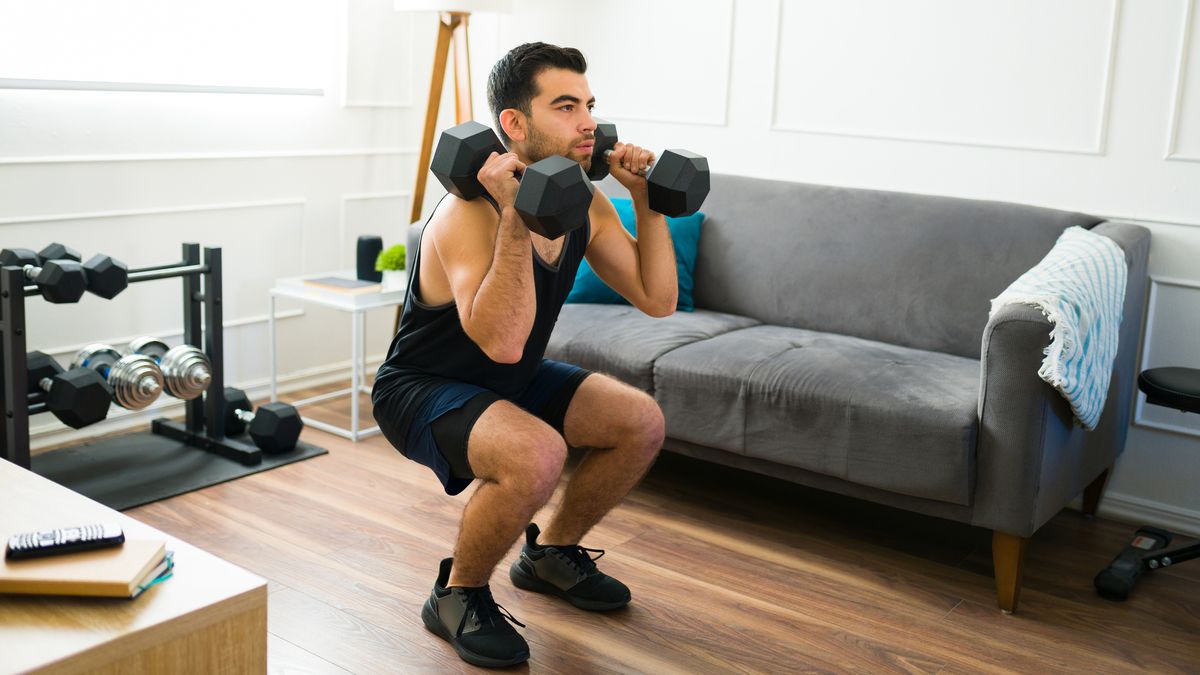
(357, 306)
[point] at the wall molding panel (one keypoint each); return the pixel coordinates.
(200, 156)
(366, 196)
(1181, 67)
(1097, 147)
(159, 87)
(89, 215)
(1139, 418)
(347, 101)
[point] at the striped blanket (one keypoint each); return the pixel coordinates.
(1080, 287)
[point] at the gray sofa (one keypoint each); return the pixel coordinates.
(841, 340)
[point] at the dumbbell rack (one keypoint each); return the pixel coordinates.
(204, 424)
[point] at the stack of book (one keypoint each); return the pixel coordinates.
(123, 571)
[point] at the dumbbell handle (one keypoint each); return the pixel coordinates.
(246, 416)
(643, 173)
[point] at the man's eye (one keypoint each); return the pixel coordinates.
(567, 108)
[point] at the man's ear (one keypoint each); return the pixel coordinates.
(515, 124)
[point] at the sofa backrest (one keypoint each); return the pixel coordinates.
(906, 269)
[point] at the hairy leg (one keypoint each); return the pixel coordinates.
(624, 429)
(518, 458)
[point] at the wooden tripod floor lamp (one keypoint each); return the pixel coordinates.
(452, 28)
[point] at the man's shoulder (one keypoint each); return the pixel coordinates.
(457, 217)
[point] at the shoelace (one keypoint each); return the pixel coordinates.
(485, 607)
(579, 558)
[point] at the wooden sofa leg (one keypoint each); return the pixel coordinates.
(1008, 560)
(1091, 494)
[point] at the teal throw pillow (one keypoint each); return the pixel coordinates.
(685, 235)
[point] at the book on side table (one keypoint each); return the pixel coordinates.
(344, 285)
(123, 571)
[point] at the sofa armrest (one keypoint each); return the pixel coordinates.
(1031, 457)
(413, 237)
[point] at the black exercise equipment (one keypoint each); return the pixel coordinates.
(59, 281)
(1151, 548)
(274, 427)
(554, 196)
(77, 397)
(678, 181)
(63, 280)
(204, 425)
(57, 251)
(136, 380)
(186, 371)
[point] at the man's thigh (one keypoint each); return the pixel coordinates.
(506, 441)
(605, 410)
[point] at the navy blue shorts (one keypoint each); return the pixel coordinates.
(442, 422)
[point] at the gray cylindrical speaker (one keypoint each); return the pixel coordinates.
(369, 247)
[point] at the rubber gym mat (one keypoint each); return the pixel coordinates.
(135, 469)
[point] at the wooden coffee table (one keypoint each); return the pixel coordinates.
(211, 617)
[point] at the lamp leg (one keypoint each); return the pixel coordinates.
(440, 55)
(462, 71)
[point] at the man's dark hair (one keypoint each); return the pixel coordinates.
(512, 82)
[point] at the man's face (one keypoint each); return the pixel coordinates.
(562, 122)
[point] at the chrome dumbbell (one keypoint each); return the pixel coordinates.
(186, 370)
(136, 380)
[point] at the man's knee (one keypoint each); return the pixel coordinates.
(646, 427)
(518, 451)
(542, 465)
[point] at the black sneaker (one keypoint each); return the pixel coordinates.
(471, 621)
(568, 572)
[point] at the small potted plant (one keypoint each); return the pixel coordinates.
(391, 263)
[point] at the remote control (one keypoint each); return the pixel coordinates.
(63, 540)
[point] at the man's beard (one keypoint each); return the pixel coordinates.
(539, 146)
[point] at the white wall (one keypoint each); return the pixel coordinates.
(1074, 104)
(283, 178)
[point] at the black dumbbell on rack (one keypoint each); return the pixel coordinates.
(678, 181)
(186, 370)
(77, 397)
(274, 427)
(65, 279)
(136, 380)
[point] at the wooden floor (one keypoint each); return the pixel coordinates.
(730, 572)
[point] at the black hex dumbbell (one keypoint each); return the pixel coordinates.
(57, 251)
(554, 196)
(274, 427)
(77, 397)
(63, 280)
(678, 181)
(60, 281)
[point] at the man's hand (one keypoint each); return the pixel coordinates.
(499, 177)
(626, 162)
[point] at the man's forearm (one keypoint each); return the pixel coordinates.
(506, 303)
(656, 260)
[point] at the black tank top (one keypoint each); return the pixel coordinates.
(431, 340)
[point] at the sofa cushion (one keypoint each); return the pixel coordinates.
(890, 417)
(623, 342)
(685, 238)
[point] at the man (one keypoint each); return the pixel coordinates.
(466, 391)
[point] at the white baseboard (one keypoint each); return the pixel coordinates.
(55, 433)
(1138, 511)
